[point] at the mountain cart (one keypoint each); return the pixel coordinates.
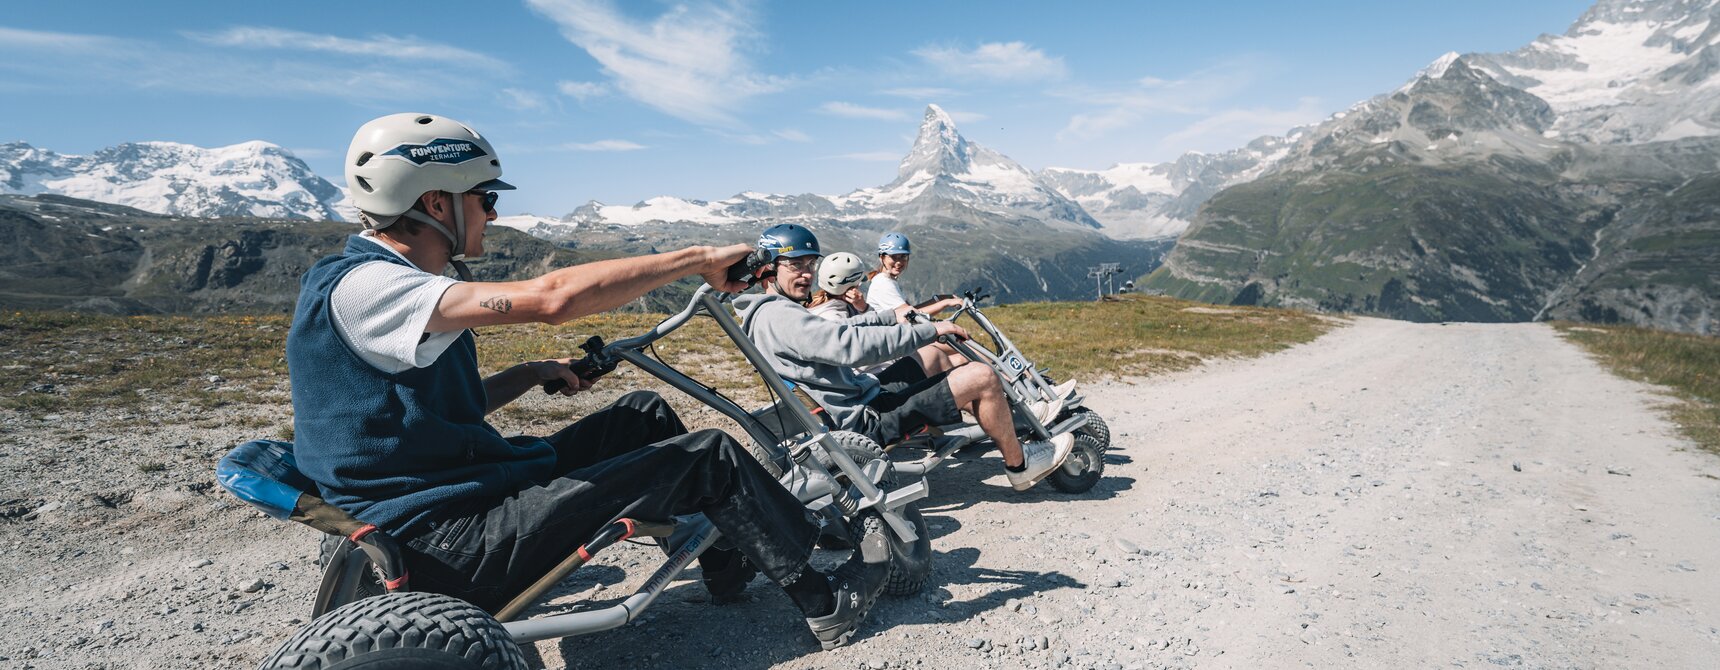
(366, 615)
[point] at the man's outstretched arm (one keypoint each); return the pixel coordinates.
(580, 290)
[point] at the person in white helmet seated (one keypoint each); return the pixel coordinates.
(819, 356)
(389, 406)
(839, 297)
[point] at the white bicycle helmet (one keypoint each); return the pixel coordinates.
(397, 158)
(839, 272)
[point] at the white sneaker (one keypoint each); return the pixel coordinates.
(1064, 390)
(1042, 458)
(1046, 410)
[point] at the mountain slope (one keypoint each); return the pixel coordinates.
(254, 179)
(1464, 197)
(1157, 200)
(69, 254)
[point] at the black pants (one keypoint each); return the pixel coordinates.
(632, 459)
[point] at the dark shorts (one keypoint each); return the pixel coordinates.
(894, 415)
(903, 373)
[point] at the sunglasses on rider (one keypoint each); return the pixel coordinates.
(803, 264)
(490, 198)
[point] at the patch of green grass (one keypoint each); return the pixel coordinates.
(110, 361)
(1687, 364)
(1141, 334)
(121, 361)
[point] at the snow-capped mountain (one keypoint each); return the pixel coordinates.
(942, 169)
(1627, 72)
(1156, 200)
(255, 179)
(944, 166)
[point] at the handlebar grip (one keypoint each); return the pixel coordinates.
(586, 368)
(747, 269)
(583, 369)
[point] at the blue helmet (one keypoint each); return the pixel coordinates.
(894, 243)
(786, 240)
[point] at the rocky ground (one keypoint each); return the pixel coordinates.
(1390, 494)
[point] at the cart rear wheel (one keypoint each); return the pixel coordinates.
(401, 631)
(911, 564)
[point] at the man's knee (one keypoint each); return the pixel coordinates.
(711, 441)
(971, 382)
(644, 400)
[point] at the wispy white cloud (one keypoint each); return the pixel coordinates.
(1196, 94)
(582, 90)
(523, 100)
(604, 145)
(867, 156)
(792, 135)
(921, 92)
(378, 46)
(688, 62)
(853, 111)
(36, 60)
(965, 117)
(1233, 127)
(999, 61)
(14, 38)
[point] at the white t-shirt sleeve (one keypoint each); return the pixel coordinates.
(380, 310)
(884, 294)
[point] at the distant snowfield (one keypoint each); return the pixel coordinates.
(1615, 54)
(255, 178)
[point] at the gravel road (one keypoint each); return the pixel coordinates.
(1390, 494)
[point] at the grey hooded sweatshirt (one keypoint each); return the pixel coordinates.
(820, 355)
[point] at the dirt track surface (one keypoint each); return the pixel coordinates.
(1390, 494)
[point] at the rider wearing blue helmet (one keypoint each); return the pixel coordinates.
(893, 253)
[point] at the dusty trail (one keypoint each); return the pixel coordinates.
(1390, 494)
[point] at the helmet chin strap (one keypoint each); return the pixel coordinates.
(456, 239)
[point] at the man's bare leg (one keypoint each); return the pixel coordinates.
(977, 390)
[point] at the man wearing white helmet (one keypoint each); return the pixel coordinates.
(389, 405)
(839, 298)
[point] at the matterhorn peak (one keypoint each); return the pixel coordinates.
(938, 150)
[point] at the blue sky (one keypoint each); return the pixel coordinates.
(622, 101)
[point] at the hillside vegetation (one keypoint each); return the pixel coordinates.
(61, 362)
(1689, 365)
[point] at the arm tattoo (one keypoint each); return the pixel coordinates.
(500, 303)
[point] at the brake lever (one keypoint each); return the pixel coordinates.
(588, 368)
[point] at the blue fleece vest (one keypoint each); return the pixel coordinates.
(394, 449)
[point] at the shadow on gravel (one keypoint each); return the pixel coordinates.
(961, 483)
(683, 631)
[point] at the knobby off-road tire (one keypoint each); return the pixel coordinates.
(1088, 459)
(401, 631)
(762, 454)
(911, 564)
(1095, 428)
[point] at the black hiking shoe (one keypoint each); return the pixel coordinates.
(728, 584)
(855, 586)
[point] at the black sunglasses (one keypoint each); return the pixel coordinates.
(490, 198)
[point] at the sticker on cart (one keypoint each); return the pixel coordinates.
(1014, 363)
